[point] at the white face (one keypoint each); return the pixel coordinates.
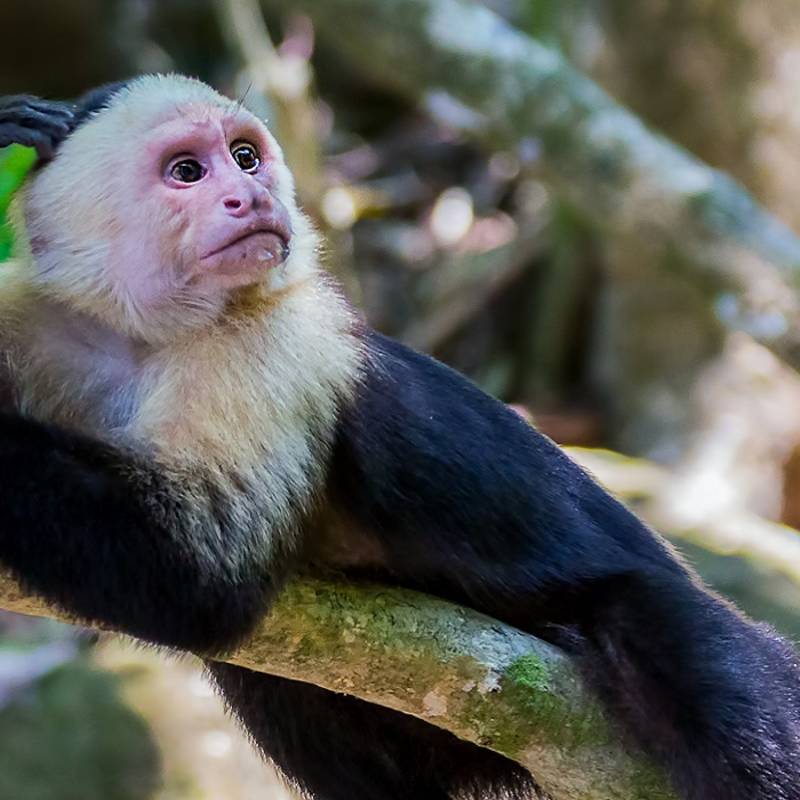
(154, 212)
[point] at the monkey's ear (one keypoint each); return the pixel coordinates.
(33, 122)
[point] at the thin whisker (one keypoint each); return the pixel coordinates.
(240, 101)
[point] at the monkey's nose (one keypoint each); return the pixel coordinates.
(237, 205)
(241, 199)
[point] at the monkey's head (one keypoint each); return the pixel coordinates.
(163, 204)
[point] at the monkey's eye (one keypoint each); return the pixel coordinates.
(187, 171)
(246, 156)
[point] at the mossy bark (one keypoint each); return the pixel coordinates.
(484, 681)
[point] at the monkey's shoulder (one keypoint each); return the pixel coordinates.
(435, 416)
(421, 440)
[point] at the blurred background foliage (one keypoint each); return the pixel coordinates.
(471, 253)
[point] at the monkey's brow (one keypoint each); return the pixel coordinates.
(183, 137)
(237, 112)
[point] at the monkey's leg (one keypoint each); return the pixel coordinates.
(340, 748)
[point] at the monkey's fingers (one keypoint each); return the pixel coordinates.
(33, 101)
(31, 121)
(55, 107)
(55, 121)
(29, 137)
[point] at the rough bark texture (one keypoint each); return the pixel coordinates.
(484, 681)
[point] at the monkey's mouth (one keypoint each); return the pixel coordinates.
(269, 244)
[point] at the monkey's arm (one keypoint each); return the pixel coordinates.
(33, 122)
(111, 539)
(467, 501)
(494, 502)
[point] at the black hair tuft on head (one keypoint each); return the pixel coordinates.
(96, 100)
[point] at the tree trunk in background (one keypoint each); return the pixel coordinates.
(689, 68)
(656, 333)
(720, 78)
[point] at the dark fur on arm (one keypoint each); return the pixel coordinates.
(469, 502)
(109, 538)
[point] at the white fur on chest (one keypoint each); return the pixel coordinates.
(260, 392)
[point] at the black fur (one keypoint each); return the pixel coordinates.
(340, 748)
(44, 124)
(96, 100)
(467, 502)
(471, 503)
(112, 541)
(33, 122)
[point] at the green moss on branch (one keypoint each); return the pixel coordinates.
(483, 681)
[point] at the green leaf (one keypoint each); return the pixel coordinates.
(15, 162)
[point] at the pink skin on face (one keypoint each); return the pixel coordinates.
(144, 255)
(214, 177)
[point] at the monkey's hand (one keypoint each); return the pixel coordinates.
(33, 122)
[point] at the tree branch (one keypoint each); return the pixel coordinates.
(484, 681)
(492, 82)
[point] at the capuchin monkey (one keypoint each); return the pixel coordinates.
(195, 412)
